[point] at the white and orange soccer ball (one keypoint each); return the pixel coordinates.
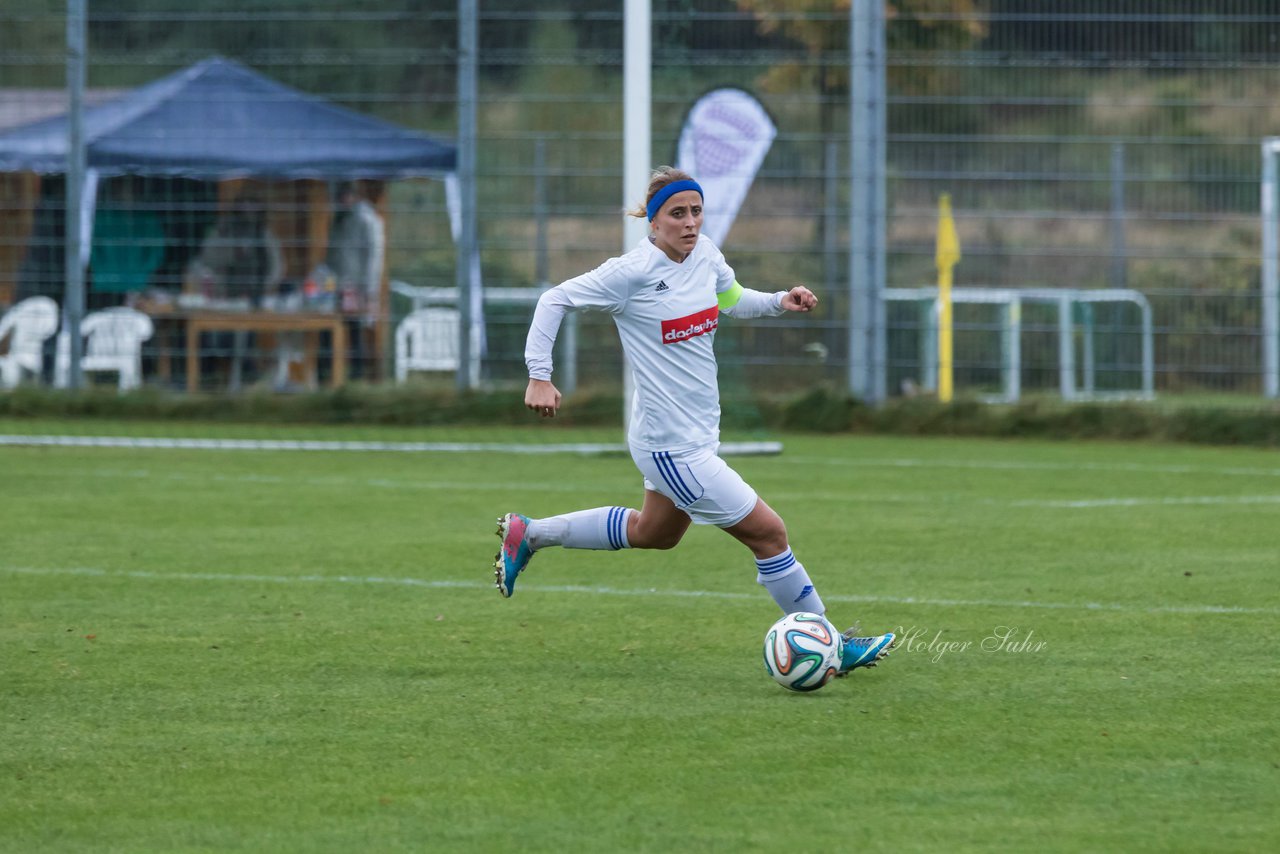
(802, 651)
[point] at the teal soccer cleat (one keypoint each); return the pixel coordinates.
(515, 553)
(863, 652)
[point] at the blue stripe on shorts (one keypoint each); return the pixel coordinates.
(672, 477)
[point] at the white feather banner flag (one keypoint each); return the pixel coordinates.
(722, 144)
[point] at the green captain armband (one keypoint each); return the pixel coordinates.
(730, 298)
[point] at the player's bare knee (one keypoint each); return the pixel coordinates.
(767, 539)
(767, 547)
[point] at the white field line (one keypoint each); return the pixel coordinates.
(1169, 501)
(299, 445)
(757, 448)
(337, 481)
(596, 590)
(1027, 465)
(581, 448)
(569, 487)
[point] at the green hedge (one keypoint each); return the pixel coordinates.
(816, 410)
(1216, 425)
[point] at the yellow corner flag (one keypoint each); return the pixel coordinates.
(947, 256)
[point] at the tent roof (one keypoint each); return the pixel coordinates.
(218, 119)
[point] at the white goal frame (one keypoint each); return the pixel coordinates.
(1064, 300)
(1270, 270)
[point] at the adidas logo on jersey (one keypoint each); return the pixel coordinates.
(661, 288)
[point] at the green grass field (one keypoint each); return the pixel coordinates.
(300, 651)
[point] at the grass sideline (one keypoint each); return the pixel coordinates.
(249, 651)
(1199, 420)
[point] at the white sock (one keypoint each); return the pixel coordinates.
(598, 528)
(788, 583)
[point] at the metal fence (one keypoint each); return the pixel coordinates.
(1086, 146)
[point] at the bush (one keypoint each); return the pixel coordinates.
(818, 410)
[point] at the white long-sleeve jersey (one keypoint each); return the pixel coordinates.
(666, 314)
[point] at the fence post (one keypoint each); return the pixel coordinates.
(1066, 348)
(1270, 272)
(73, 296)
(467, 249)
(867, 202)
(637, 136)
(1119, 243)
(1013, 348)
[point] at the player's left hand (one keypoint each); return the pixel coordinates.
(799, 298)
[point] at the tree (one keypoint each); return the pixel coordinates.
(822, 28)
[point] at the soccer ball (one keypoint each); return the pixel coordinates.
(802, 651)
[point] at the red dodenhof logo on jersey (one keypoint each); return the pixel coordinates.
(690, 326)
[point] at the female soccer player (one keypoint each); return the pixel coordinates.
(666, 297)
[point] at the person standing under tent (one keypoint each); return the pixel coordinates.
(666, 297)
(357, 242)
(242, 260)
(241, 255)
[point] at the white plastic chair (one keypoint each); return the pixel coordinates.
(427, 340)
(112, 342)
(27, 325)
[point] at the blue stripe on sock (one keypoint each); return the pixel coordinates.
(775, 565)
(767, 562)
(668, 471)
(777, 571)
(617, 518)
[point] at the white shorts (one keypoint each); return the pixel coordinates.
(699, 482)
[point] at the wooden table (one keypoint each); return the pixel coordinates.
(311, 323)
(269, 321)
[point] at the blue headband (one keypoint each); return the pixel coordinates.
(655, 204)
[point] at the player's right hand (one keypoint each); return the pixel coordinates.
(542, 397)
